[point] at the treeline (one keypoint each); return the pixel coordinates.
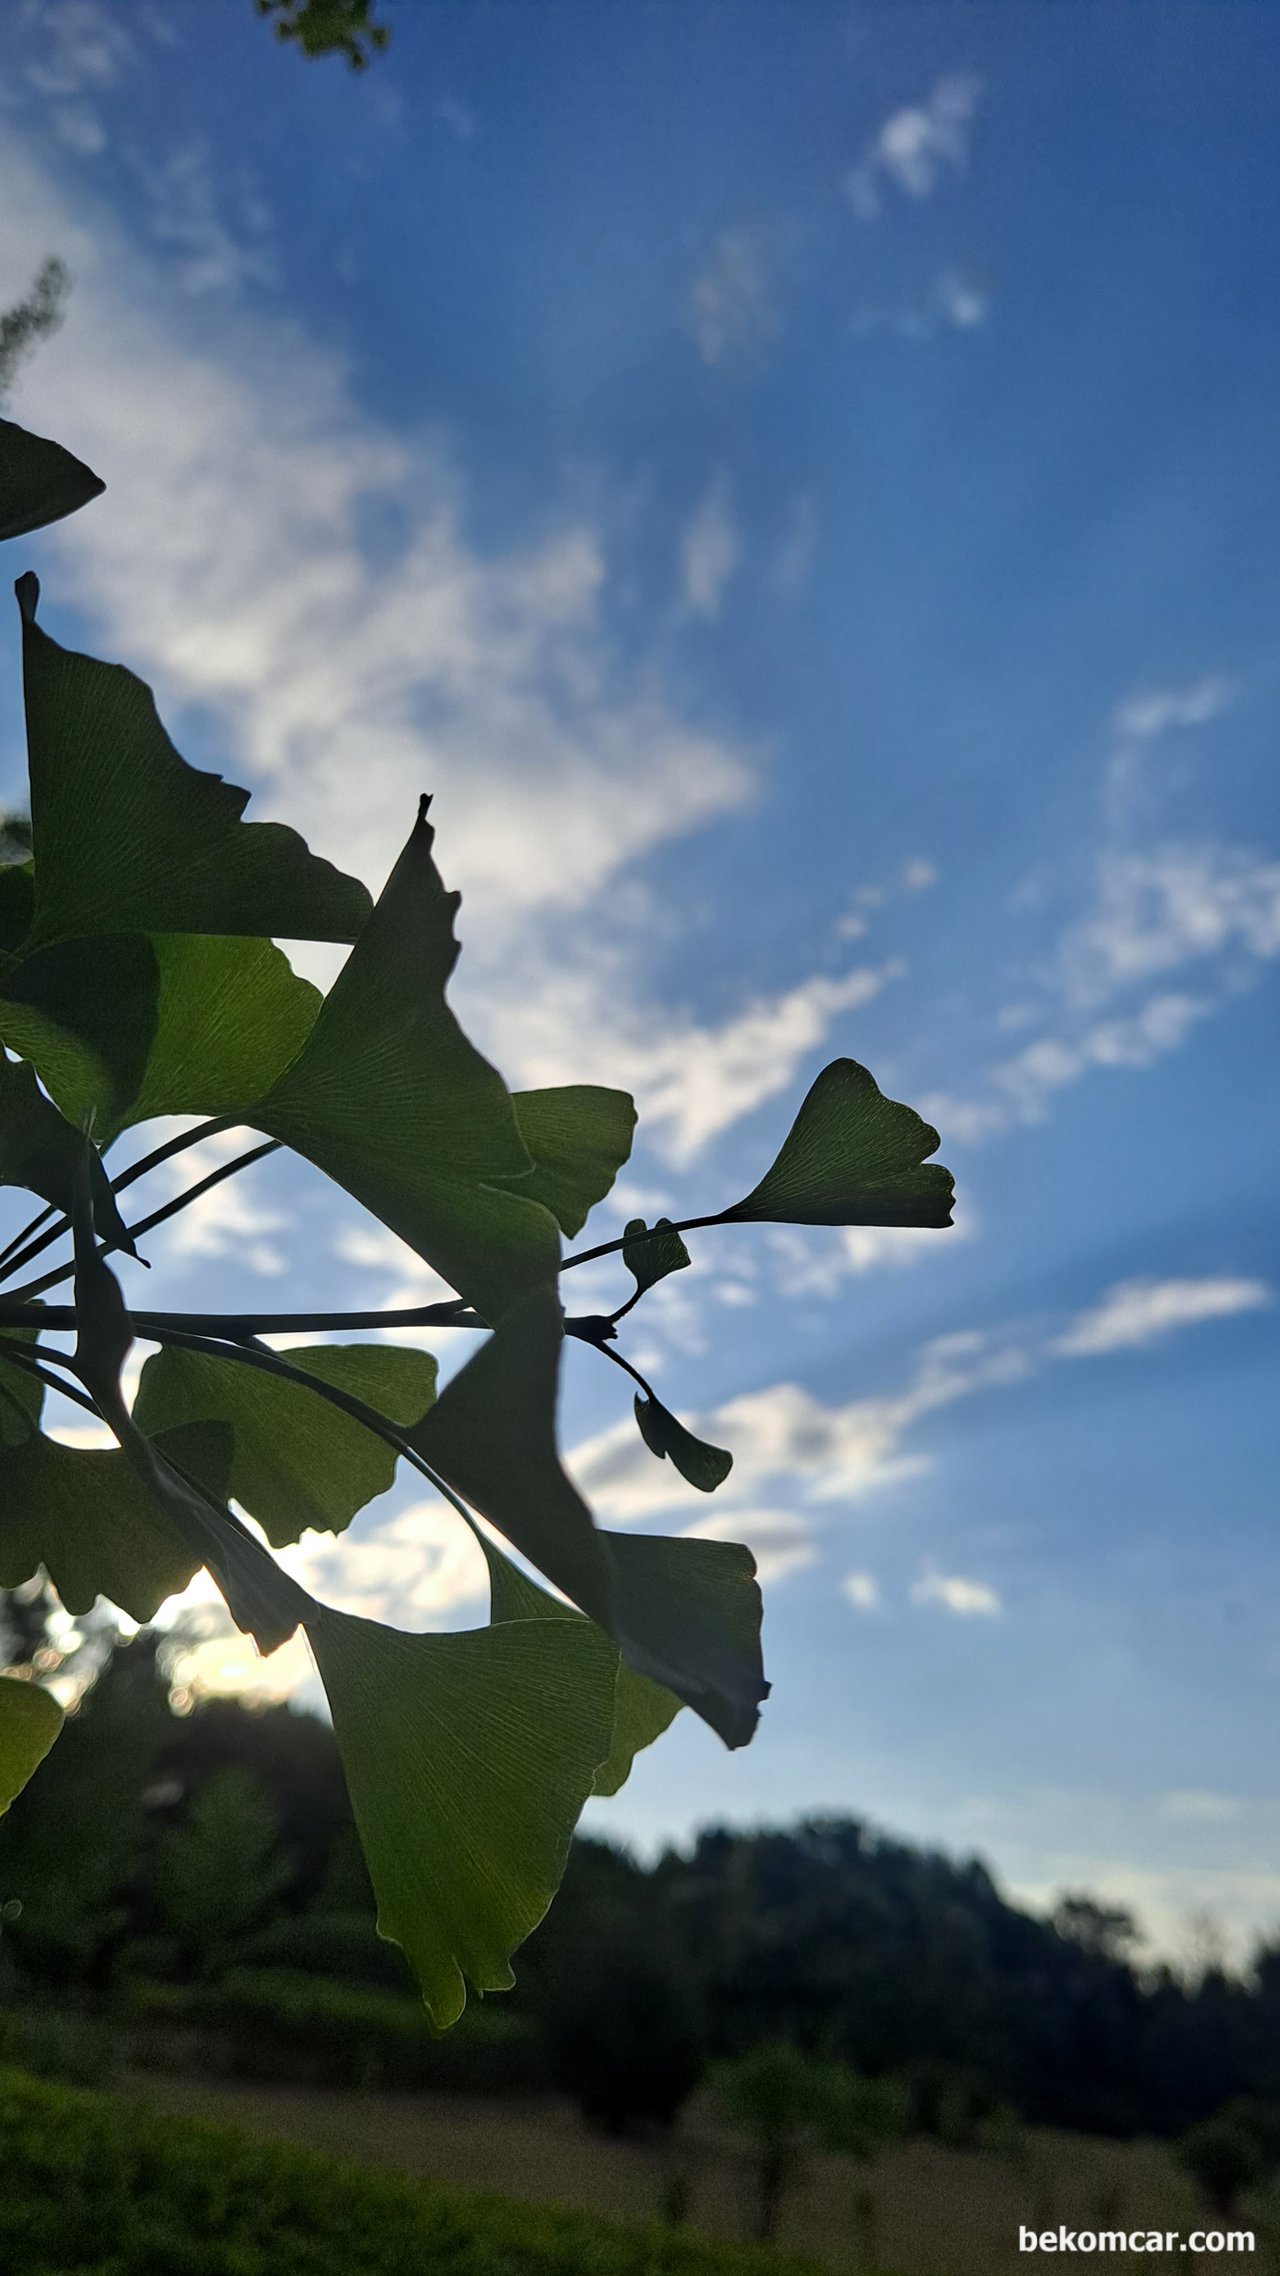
(205, 1869)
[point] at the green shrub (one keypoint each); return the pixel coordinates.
(282, 2024)
(77, 2049)
(98, 2187)
(344, 1946)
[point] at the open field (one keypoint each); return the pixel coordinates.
(932, 2211)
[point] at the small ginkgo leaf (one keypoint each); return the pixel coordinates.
(579, 1136)
(129, 838)
(39, 481)
(209, 1024)
(40, 1150)
(30, 1721)
(642, 1709)
(651, 1252)
(705, 1466)
(690, 1613)
(468, 1758)
(299, 1462)
(390, 1099)
(852, 1157)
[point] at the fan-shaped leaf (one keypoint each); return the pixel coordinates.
(389, 1098)
(468, 1759)
(298, 1461)
(491, 1435)
(852, 1157)
(86, 1515)
(129, 838)
(129, 1028)
(29, 1723)
(642, 1710)
(705, 1466)
(651, 1252)
(39, 481)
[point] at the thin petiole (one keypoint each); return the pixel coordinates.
(180, 1201)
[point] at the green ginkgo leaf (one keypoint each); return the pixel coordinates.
(128, 1028)
(651, 1252)
(298, 1462)
(29, 1723)
(86, 1515)
(852, 1157)
(129, 838)
(390, 1099)
(468, 1758)
(705, 1466)
(40, 482)
(642, 1709)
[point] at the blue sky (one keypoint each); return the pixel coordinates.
(799, 485)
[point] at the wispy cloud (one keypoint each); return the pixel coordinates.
(862, 1590)
(916, 146)
(958, 300)
(709, 552)
(953, 1592)
(731, 299)
(221, 235)
(1139, 1312)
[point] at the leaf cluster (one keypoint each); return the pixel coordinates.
(141, 978)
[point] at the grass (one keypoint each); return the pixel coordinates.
(927, 2211)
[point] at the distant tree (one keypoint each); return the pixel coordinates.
(328, 27)
(218, 1874)
(29, 321)
(1224, 2157)
(785, 2103)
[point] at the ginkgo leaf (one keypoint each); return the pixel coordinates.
(40, 1150)
(209, 1024)
(651, 1252)
(468, 1758)
(21, 1392)
(298, 1462)
(39, 481)
(705, 1466)
(642, 1709)
(86, 1515)
(390, 1098)
(30, 1721)
(491, 1436)
(578, 1136)
(129, 838)
(852, 1157)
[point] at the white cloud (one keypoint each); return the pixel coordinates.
(1152, 711)
(808, 1264)
(963, 299)
(862, 1590)
(779, 1540)
(229, 562)
(1138, 1312)
(730, 303)
(915, 145)
(1176, 904)
(222, 239)
(919, 875)
(709, 553)
(967, 1599)
(226, 1221)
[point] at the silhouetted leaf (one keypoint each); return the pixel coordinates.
(389, 1098)
(852, 1157)
(130, 1028)
(692, 1615)
(129, 838)
(651, 1252)
(29, 1723)
(41, 1151)
(298, 1461)
(705, 1466)
(468, 1759)
(39, 481)
(579, 1137)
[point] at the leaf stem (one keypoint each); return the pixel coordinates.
(32, 1366)
(19, 1239)
(171, 1208)
(11, 1262)
(650, 1233)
